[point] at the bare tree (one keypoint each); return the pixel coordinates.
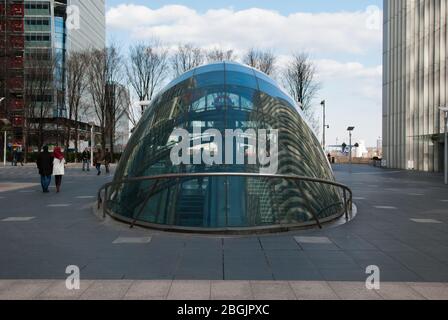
(39, 83)
(116, 106)
(147, 69)
(133, 113)
(261, 60)
(104, 70)
(299, 79)
(185, 58)
(218, 54)
(76, 86)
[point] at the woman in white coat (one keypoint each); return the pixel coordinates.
(58, 167)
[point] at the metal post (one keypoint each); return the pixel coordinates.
(4, 150)
(350, 146)
(446, 147)
(91, 146)
(324, 126)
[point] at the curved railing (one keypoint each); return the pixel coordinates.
(347, 192)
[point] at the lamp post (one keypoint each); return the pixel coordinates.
(144, 104)
(350, 130)
(445, 111)
(4, 150)
(5, 133)
(325, 126)
(92, 141)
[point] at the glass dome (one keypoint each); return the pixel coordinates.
(223, 96)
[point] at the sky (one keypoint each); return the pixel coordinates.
(342, 37)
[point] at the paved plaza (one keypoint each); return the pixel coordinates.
(401, 226)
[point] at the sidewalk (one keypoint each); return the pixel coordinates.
(217, 290)
(401, 227)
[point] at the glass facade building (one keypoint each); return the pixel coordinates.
(223, 96)
(415, 83)
(36, 33)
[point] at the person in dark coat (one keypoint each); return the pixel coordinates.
(20, 157)
(107, 160)
(14, 157)
(98, 160)
(45, 166)
(85, 160)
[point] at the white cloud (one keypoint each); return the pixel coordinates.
(342, 32)
(352, 87)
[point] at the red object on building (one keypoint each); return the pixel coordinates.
(16, 26)
(16, 62)
(17, 10)
(17, 104)
(17, 42)
(17, 121)
(15, 83)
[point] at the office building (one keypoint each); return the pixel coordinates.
(36, 37)
(415, 83)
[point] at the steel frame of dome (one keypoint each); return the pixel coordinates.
(149, 190)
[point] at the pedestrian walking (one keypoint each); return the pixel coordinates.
(58, 167)
(19, 157)
(45, 165)
(107, 160)
(14, 157)
(98, 160)
(85, 157)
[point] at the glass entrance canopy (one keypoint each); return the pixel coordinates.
(181, 167)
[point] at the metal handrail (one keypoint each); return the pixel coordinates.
(348, 202)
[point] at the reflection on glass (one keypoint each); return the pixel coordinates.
(223, 96)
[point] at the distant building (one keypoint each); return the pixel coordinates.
(117, 119)
(43, 31)
(415, 83)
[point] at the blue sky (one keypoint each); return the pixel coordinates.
(343, 37)
(283, 6)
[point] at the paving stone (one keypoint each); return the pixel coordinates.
(189, 290)
(148, 290)
(107, 290)
(432, 291)
(398, 291)
(272, 290)
(312, 240)
(24, 289)
(313, 290)
(58, 291)
(426, 221)
(132, 240)
(231, 290)
(353, 291)
(18, 219)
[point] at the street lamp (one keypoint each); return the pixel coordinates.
(92, 141)
(445, 111)
(350, 130)
(325, 126)
(5, 122)
(144, 104)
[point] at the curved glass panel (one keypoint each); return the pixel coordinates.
(224, 118)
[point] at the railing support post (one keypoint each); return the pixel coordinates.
(105, 203)
(345, 205)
